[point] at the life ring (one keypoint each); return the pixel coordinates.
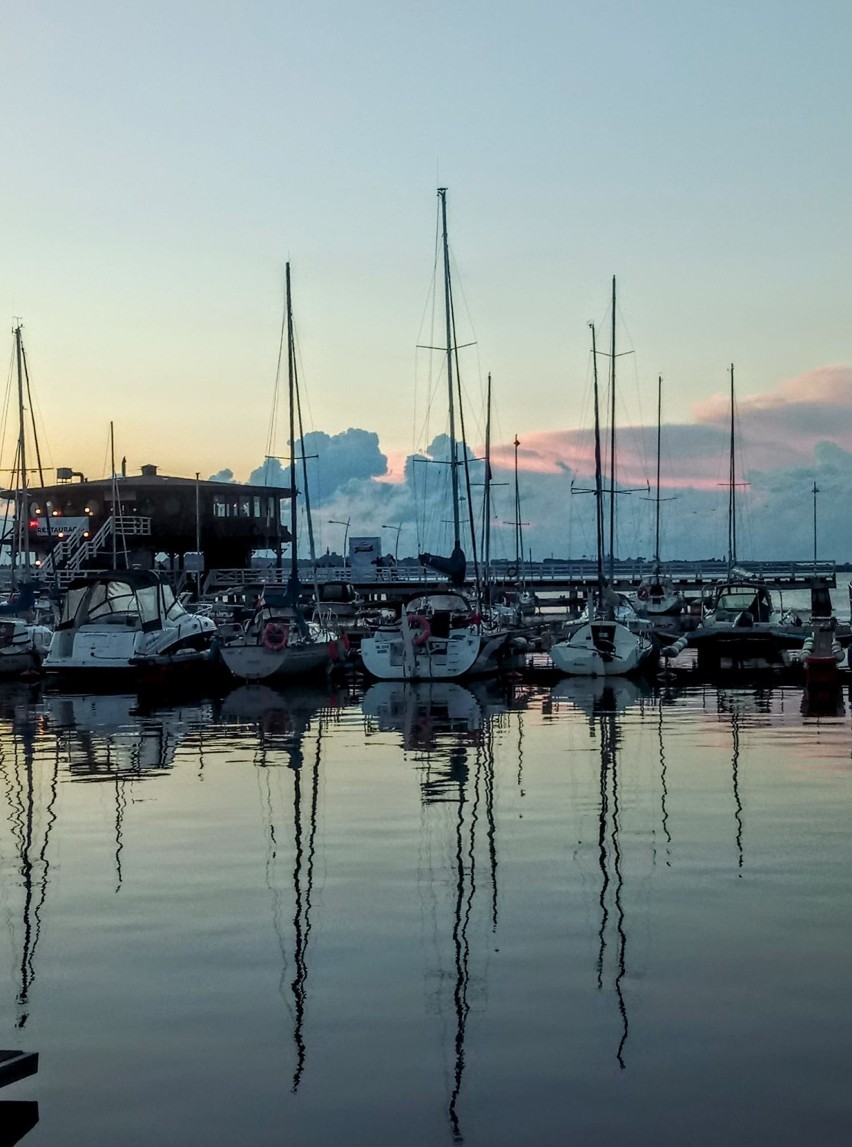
(642, 593)
(418, 621)
(276, 635)
(511, 573)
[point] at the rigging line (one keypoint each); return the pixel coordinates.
(276, 393)
(32, 413)
(7, 402)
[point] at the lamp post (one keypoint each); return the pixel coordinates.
(335, 522)
(396, 539)
(816, 491)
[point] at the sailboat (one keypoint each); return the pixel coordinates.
(278, 641)
(440, 636)
(601, 646)
(23, 644)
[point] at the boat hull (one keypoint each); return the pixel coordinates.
(250, 661)
(602, 649)
(394, 655)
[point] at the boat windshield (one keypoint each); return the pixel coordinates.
(172, 608)
(736, 599)
(112, 602)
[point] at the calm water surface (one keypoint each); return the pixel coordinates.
(568, 915)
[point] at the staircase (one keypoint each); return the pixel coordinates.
(72, 553)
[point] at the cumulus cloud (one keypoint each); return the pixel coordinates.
(225, 475)
(798, 434)
(334, 462)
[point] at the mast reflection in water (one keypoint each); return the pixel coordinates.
(282, 720)
(435, 914)
(449, 730)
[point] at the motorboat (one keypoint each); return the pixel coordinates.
(742, 628)
(117, 623)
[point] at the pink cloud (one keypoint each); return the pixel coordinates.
(396, 467)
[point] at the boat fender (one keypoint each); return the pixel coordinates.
(333, 651)
(675, 648)
(344, 641)
(275, 636)
(418, 621)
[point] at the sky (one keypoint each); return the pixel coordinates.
(161, 162)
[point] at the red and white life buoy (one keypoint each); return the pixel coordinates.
(419, 622)
(276, 635)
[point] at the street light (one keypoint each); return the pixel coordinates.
(396, 540)
(334, 522)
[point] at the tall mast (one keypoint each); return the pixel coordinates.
(519, 547)
(598, 470)
(291, 391)
(23, 503)
(612, 443)
(114, 496)
(732, 496)
(448, 315)
(659, 426)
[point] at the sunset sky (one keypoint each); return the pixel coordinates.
(162, 161)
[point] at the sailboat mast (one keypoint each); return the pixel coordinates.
(448, 316)
(519, 552)
(612, 443)
(732, 495)
(598, 468)
(291, 390)
(23, 504)
(659, 429)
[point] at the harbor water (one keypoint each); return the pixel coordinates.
(593, 912)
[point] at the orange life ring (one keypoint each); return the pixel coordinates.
(418, 621)
(276, 635)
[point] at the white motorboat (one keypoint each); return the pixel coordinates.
(115, 623)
